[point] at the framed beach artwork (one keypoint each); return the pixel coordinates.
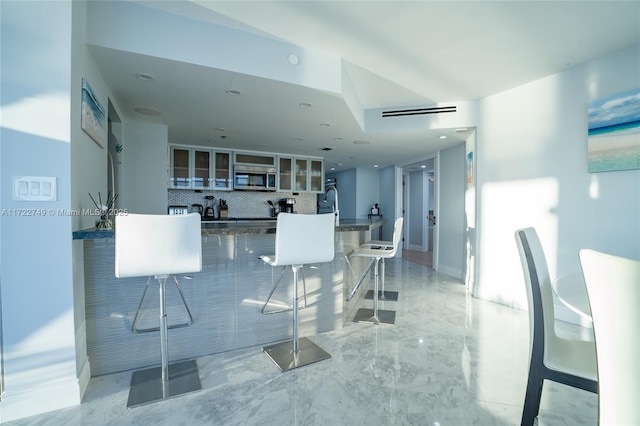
(614, 132)
(93, 120)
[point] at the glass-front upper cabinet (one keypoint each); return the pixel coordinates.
(316, 176)
(201, 169)
(285, 167)
(222, 174)
(180, 168)
(255, 158)
(301, 174)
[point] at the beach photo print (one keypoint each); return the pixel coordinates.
(614, 132)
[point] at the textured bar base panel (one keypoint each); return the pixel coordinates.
(282, 354)
(225, 299)
(146, 385)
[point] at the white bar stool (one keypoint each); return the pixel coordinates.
(159, 246)
(300, 239)
(377, 252)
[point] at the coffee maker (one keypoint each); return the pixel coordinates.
(286, 205)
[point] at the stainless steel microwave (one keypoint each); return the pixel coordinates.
(254, 178)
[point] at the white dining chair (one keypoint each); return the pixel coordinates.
(613, 285)
(301, 239)
(159, 246)
(551, 357)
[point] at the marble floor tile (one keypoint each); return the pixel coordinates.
(450, 359)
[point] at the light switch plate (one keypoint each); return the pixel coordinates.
(34, 188)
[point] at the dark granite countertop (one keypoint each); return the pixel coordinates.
(241, 226)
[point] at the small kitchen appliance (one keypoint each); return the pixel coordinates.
(286, 205)
(178, 210)
(255, 178)
(197, 208)
(209, 212)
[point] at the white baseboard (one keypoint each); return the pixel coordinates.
(447, 270)
(24, 404)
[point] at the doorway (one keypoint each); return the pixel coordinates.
(418, 205)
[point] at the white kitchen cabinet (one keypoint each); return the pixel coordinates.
(199, 168)
(300, 174)
(316, 175)
(222, 177)
(285, 176)
(180, 168)
(201, 177)
(254, 158)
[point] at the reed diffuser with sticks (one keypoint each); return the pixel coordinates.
(103, 210)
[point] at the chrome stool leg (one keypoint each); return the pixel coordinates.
(391, 296)
(167, 380)
(375, 315)
(297, 352)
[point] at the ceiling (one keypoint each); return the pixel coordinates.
(396, 54)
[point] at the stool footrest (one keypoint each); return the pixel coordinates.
(147, 386)
(141, 313)
(285, 358)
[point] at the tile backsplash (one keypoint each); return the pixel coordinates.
(243, 203)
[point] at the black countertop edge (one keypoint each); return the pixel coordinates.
(240, 227)
(237, 219)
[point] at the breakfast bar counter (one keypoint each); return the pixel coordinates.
(225, 299)
(241, 226)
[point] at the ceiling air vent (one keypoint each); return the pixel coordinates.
(418, 111)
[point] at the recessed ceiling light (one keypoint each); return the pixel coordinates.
(233, 92)
(298, 139)
(306, 104)
(325, 124)
(461, 129)
(423, 166)
(338, 164)
(144, 76)
(147, 111)
(333, 168)
(293, 59)
(361, 142)
(443, 137)
(326, 148)
(375, 165)
(337, 139)
(219, 129)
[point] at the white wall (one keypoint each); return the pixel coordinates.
(346, 184)
(532, 171)
(368, 191)
(388, 200)
(144, 168)
(38, 330)
(470, 212)
(451, 209)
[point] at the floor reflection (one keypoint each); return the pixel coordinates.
(449, 359)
